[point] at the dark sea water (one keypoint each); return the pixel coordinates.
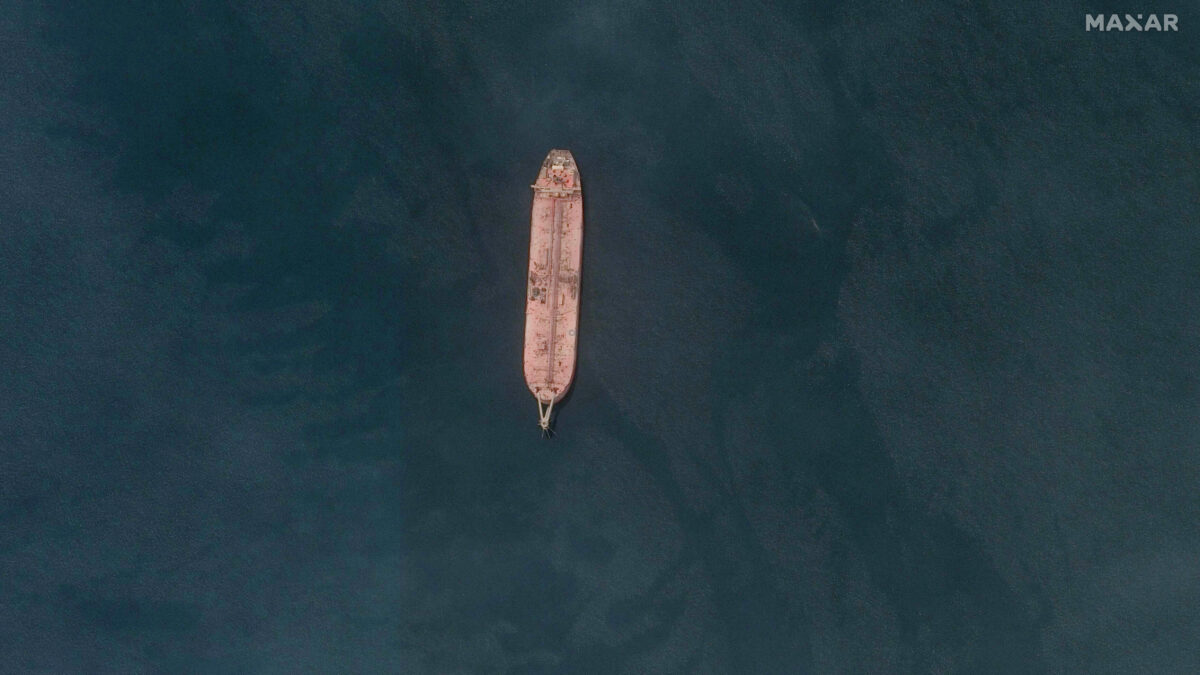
(889, 358)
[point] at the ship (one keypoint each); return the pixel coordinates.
(552, 295)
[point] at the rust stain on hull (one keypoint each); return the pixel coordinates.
(552, 298)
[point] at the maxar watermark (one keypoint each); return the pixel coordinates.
(1129, 22)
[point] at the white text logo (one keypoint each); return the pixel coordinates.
(1130, 22)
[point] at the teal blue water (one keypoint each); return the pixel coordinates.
(887, 361)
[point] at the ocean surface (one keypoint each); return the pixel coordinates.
(889, 357)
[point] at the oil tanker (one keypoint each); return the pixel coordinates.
(552, 297)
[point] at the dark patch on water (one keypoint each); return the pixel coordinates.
(939, 579)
